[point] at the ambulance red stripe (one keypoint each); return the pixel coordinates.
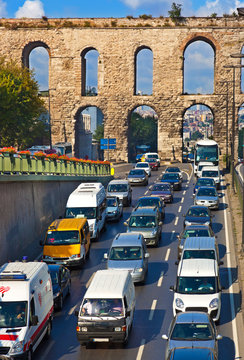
(8, 337)
(42, 324)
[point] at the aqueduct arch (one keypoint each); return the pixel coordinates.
(117, 40)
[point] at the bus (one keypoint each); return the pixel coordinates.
(207, 151)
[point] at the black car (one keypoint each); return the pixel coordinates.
(61, 282)
(152, 201)
(193, 231)
(173, 179)
(198, 214)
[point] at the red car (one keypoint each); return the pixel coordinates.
(154, 165)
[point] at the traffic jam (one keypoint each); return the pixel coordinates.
(136, 270)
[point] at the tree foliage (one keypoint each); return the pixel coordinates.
(99, 133)
(20, 106)
(142, 131)
(175, 12)
(197, 135)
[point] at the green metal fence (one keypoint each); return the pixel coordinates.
(238, 187)
(18, 165)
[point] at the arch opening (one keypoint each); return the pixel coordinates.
(89, 72)
(143, 71)
(142, 131)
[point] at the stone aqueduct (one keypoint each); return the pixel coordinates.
(117, 41)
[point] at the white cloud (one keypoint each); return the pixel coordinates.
(3, 11)
(219, 7)
(30, 9)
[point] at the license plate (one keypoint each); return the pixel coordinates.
(100, 340)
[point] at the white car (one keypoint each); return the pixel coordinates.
(145, 166)
(198, 287)
(212, 172)
(200, 166)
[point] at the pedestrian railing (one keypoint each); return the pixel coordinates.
(12, 164)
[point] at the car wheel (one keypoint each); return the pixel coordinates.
(49, 328)
(68, 291)
(60, 303)
(29, 354)
(88, 253)
(97, 236)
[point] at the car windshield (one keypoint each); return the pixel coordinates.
(145, 221)
(170, 176)
(117, 188)
(87, 212)
(62, 237)
(161, 187)
(192, 332)
(210, 173)
(173, 170)
(149, 202)
(142, 165)
(198, 212)
(206, 192)
(125, 253)
(152, 156)
(205, 182)
(111, 202)
(54, 277)
(196, 233)
(102, 307)
(199, 254)
(136, 172)
(196, 285)
(13, 314)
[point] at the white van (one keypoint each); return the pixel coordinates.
(200, 166)
(88, 200)
(198, 287)
(151, 155)
(106, 312)
(212, 172)
(26, 307)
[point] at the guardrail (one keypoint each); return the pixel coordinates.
(11, 164)
(238, 187)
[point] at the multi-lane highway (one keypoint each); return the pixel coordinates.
(154, 300)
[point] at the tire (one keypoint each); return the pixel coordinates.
(60, 303)
(68, 292)
(49, 328)
(29, 354)
(97, 236)
(88, 253)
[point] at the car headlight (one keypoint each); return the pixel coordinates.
(117, 328)
(91, 227)
(187, 222)
(179, 303)
(154, 232)
(207, 223)
(76, 256)
(115, 212)
(83, 328)
(56, 295)
(138, 269)
(17, 347)
(214, 303)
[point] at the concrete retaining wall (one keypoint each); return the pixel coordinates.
(27, 208)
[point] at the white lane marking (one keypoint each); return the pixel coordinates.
(184, 192)
(146, 192)
(172, 235)
(153, 307)
(180, 208)
(160, 280)
(72, 310)
(232, 304)
(186, 174)
(167, 255)
(182, 200)
(239, 171)
(176, 220)
(140, 350)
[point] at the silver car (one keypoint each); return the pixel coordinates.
(114, 209)
(129, 252)
(192, 329)
(121, 189)
(207, 196)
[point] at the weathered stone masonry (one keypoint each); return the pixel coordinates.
(117, 41)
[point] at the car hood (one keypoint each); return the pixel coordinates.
(170, 180)
(110, 209)
(144, 231)
(136, 176)
(186, 343)
(161, 193)
(197, 219)
(119, 194)
(124, 264)
(208, 198)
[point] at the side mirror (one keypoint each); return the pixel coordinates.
(105, 256)
(219, 337)
(76, 312)
(178, 237)
(41, 242)
(172, 288)
(147, 255)
(160, 223)
(177, 262)
(127, 313)
(221, 263)
(34, 320)
(125, 223)
(165, 337)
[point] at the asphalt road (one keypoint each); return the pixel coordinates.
(154, 300)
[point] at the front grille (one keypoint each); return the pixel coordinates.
(203, 309)
(60, 258)
(4, 350)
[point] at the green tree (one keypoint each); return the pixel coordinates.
(99, 133)
(20, 106)
(175, 12)
(197, 135)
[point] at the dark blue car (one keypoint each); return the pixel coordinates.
(198, 214)
(173, 179)
(61, 283)
(191, 353)
(203, 182)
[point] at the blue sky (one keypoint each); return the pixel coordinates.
(112, 8)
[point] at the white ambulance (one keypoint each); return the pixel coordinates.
(26, 308)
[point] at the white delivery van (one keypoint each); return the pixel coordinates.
(88, 200)
(200, 166)
(212, 172)
(106, 312)
(26, 307)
